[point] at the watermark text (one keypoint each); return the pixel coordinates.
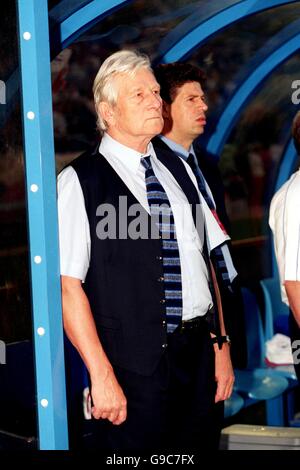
(296, 93)
(2, 352)
(133, 222)
(296, 351)
(2, 92)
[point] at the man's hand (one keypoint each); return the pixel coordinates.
(109, 401)
(108, 398)
(224, 372)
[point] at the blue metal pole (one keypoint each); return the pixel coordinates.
(42, 221)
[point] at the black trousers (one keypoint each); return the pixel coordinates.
(174, 408)
(295, 336)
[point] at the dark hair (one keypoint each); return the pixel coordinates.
(172, 76)
(296, 132)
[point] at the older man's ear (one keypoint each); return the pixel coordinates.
(107, 113)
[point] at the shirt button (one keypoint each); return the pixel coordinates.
(162, 301)
(159, 258)
(164, 345)
(161, 279)
(164, 322)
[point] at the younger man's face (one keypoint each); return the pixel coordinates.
(187, 111)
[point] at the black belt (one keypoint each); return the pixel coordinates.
(192, 323)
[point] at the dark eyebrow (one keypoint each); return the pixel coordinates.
(194, 95)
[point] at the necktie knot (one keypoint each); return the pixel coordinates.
(145, 161)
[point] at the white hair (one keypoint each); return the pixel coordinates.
(104, 88)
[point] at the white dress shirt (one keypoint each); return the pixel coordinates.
(284, 221)
(74, 232)
(183, 153)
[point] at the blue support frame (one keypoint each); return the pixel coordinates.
(42, 221)
(198, 16)
(275, 41)
(85, 17)
(241, 97)
(193, 32)
(66, 8)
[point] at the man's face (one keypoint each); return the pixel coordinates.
(186, 114)
(138, 111)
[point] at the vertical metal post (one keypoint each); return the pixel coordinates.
(42, 221)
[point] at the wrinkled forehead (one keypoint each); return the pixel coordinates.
(141, 78)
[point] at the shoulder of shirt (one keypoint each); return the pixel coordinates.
(293, 193)
(290, 188)
(293, 182)
(287, 197)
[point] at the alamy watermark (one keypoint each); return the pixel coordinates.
(2, 92)
(296, 351)
(296, 94)
(2, 352)
(133, 221)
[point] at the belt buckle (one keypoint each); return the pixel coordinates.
(192, 323)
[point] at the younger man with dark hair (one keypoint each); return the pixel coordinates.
(184, 110)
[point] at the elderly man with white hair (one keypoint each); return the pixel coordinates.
(140, 298)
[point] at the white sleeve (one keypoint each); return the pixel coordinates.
(229, 263)
(214, 233)
(292, 234)
(73, 224)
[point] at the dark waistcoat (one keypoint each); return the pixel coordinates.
(123, 283)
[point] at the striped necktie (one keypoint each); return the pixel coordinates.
(217, 252)
(160, 210)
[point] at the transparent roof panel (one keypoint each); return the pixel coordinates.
(251, 157)
(143, 25)
(224, 56)
(60, 9)
(267, 118)
(250, 162)
(140, 24)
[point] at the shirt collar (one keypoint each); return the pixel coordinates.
(177, 148)
(126, 155)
